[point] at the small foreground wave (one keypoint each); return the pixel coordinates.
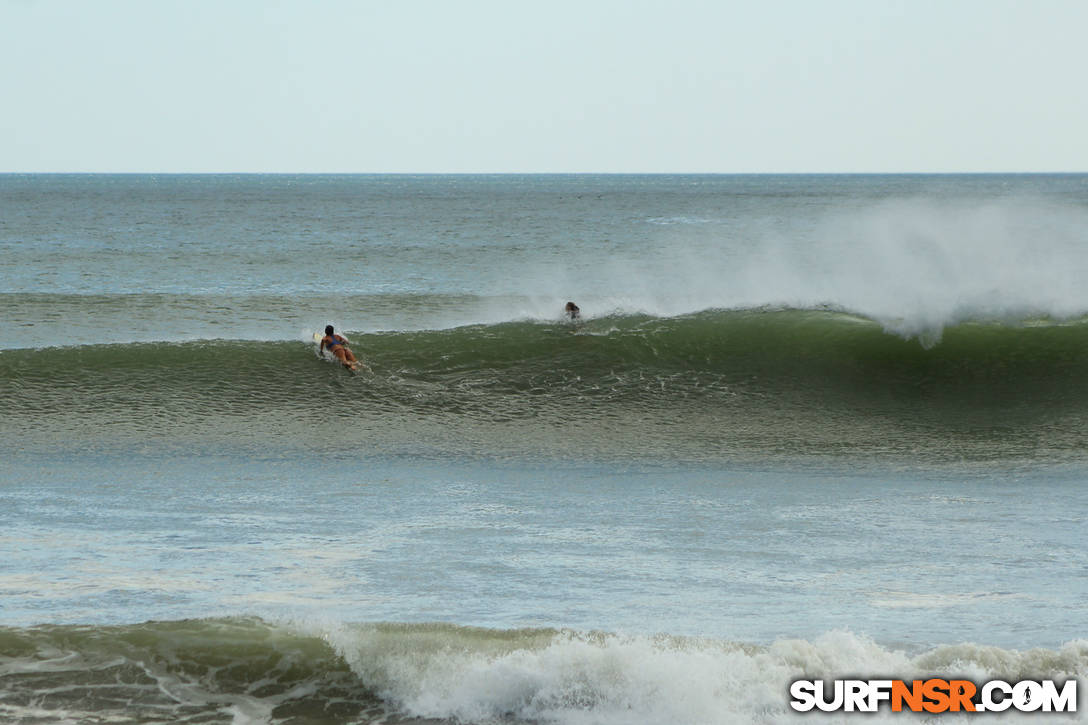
(248, 670)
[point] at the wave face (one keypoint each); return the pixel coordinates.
(247, 670)
(732, 383)
(228, 670)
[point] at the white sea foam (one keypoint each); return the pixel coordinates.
(578, 678)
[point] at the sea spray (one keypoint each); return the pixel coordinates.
(918, 266)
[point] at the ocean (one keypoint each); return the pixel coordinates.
(806, 426)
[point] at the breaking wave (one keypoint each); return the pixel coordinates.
(248, 670)
(718, 382)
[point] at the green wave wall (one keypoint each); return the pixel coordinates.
(796, 380)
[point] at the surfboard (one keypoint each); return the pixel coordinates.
(324, 355)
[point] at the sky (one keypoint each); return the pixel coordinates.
(497, 86)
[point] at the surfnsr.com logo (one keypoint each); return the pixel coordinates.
(933, 696)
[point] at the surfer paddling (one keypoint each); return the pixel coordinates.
(338, 346)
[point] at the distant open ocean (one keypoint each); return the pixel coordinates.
(807, 426)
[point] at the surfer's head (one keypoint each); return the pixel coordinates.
(328, 329)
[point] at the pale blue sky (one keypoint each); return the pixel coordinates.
(556, 86)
